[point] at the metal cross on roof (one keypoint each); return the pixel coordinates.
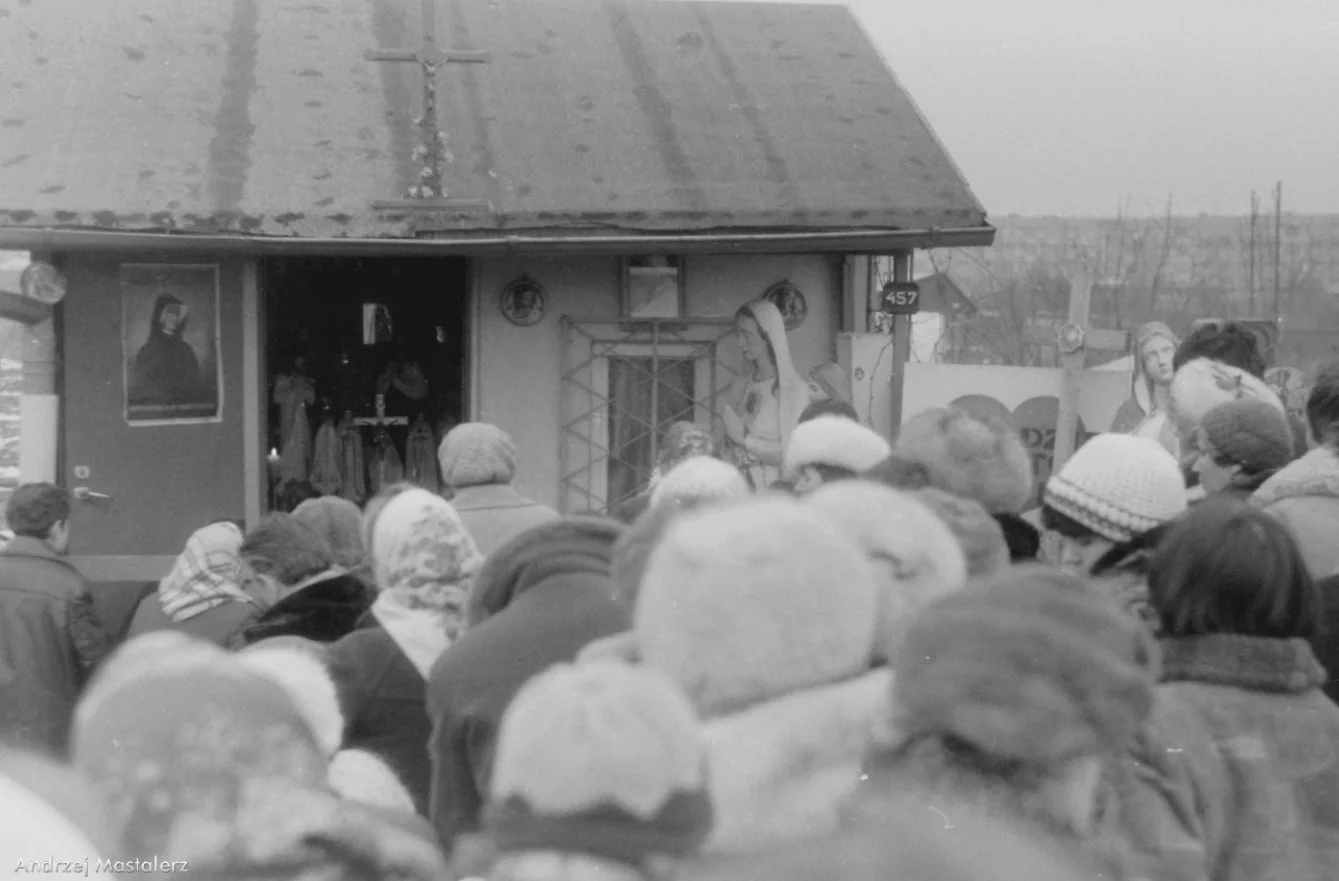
(430, 155)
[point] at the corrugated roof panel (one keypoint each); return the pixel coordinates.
(264, 117)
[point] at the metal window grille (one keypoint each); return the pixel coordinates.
(649, 356)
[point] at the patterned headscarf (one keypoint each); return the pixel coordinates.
(207, 574)
(424, 561)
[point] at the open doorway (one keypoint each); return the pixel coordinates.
(373, 348)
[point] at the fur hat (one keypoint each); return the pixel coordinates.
(1201, 384)
(699, 479)
(915, 556)
(476, 453)
(49, 809)
(980, 535)
(971, 456)
(836, 442)
(1249, 433)
(601, 758)
(1034, 665)
(1119, 486)
(747, 602)
(363, 777)
(299, 666)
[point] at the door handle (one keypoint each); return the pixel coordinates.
(84, 494)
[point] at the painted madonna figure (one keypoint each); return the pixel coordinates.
(766, 403)
(1145, 413)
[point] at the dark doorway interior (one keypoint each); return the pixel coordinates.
(351, 325)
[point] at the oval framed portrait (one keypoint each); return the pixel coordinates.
(524, 302)
(790, 302)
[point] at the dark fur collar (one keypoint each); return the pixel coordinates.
(1251, 662)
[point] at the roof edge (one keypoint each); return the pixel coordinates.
(857, 241)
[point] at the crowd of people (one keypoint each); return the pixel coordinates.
(878, 666)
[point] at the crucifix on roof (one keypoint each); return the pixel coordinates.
(430, 153)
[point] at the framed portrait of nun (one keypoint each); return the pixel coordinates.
(170, 344)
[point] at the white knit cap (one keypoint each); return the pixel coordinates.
(700, 479)
(915, 556)
(603, 732)
(835, 441)
(1119, 486)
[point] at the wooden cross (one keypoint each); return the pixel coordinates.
(1073, 340)
(430, 154)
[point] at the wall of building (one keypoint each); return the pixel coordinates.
(164, 481)
(520, 377)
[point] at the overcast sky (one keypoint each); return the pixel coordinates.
(1074, 107)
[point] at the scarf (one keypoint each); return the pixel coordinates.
(206, 575)
(424, 562)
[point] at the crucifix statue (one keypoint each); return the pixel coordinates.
(430, 154)
(1074, 339)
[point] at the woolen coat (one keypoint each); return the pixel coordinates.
(494, 513)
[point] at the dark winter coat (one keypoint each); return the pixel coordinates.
(325, 610)
(50, 640)
(475, 679)
(1236, 775)
(221, 625)
(383, 697)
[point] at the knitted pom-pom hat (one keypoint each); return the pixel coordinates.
(601, 758)
(745, 602)
(970, 456)
(835, 442)
(1119, 486)
(1034, 665)
(475, 454)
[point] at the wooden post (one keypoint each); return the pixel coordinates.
(901, 345)
(1073, 356)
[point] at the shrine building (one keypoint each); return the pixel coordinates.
(537, 214)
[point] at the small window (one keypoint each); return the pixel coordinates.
(653, 287)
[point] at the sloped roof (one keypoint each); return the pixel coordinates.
(264, 117)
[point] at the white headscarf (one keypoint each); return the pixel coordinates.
(424, 562)
(793, 388)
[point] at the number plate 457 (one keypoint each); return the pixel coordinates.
(901, 298)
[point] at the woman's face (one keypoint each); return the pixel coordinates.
(171, 319)
(1079, 554)
(1158, 360)
(750, 338)
(1213, 477)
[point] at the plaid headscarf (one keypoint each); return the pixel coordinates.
(207, 574)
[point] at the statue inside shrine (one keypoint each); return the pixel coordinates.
(1145, 413)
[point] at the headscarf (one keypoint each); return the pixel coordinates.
(793, 389)
(1155, 423)
(206, 575)
(833, 380)
(424, 562)
(340, 523)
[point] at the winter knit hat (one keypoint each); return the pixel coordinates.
(698, 480)
(1201, 384)
(299, 666)
(970, 456)
(601, 758)
(1249, 433)
(340, 523)
(835, 442)
(915, 557)
(750, 601)
(476, 453)
(1034, 665)
(1119, 486)
(980, 535)
(573, 547)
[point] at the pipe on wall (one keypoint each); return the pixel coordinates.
(848, 241)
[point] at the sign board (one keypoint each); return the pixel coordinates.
(901, 298)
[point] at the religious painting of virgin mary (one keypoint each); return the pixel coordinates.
(170, 342)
